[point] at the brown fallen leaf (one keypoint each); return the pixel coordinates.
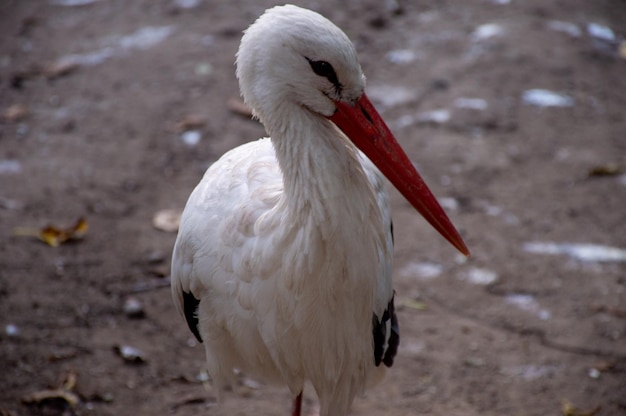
(237, 106)
(190, 122)
(414, 304)
(68, 380)
(51, 70)
(49, 395)
(64, 393)
(59, 68)
(608, 169)
(605, 366)
(568, 409)
(167, 220)
(14, 113)
(54, 236)
(62, 354)
(609, 310)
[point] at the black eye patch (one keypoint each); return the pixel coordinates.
(324, 69)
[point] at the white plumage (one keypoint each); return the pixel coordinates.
(282, 265)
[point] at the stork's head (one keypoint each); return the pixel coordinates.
(295, 57)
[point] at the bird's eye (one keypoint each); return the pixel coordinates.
(324, 69)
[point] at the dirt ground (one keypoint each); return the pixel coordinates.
(111, 110)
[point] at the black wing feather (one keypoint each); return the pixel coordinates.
(190, 306)
(379, 332)
(394, 337)
(379, 339)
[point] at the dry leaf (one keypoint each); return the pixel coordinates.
(63, 393)
(68, 380)
(51, 71)
(610, 310)
(568, 409)
(609, 169)
(237, 106)
(415, 304)
(54, 236)
(62, 354)
(59, 69)
(14, 113)
(41, 396)
(605, 366)
(190, 122)
(167, 220)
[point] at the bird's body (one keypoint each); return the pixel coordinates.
(282, 265)
(264, 265)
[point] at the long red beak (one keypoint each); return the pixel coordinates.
(367, 130)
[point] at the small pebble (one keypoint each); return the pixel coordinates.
(594, 373)
(546, 98)
(481, 276)
(12, 330)
(10, 167)
(130, 354)
(187, 4)
(203, 69)
(191, 138)
(487, 31)
(440, 116)
(600, 32)
(471, 103)
(133, 308)
(402, 56)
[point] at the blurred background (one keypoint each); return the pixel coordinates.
(514, 112)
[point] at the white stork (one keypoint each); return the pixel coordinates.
(282, 264)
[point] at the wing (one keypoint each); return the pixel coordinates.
(235, 191)
(385, 329)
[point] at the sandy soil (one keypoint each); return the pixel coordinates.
(101, 106)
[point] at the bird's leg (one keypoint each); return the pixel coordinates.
(297, 405)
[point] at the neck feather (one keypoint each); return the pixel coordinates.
(322, 174)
